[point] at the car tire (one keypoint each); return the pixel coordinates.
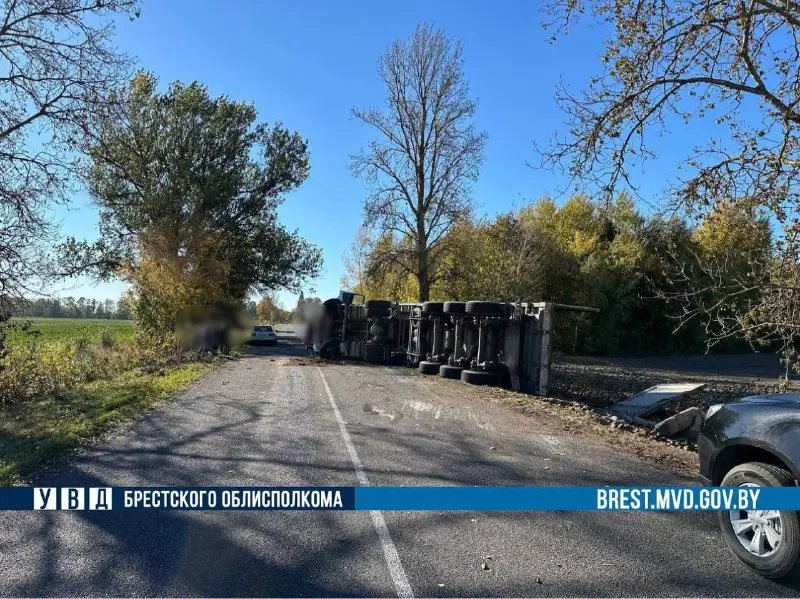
(478, 377)
(377, 308)
(782, 561)
(429, 367)
(450, 372)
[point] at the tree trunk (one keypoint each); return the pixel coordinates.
(423, 278)
(424, 287)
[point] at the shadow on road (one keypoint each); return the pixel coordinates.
(212, 553)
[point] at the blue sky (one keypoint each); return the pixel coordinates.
(307, 63)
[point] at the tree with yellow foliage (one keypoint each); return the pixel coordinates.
(188, 188)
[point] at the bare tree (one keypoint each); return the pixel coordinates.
(736, 65)
(420, 167)
(355, 260)
(56, 65)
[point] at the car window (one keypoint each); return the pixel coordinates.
(262, 329)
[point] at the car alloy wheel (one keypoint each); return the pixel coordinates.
(760, 532)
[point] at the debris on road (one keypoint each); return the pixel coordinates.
(579, 419)
(648, 401)
(678, 423)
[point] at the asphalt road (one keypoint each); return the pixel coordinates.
(263, 421)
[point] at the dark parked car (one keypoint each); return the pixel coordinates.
(755, 441)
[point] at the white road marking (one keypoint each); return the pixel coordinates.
(396, 570)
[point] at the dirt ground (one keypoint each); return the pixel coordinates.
(579, 385)
(581, 421)
(602, 382)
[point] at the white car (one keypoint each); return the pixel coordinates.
(263, 334)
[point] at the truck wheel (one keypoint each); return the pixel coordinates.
(377, 308)
(450, 372)
(478, 377)
(766, 540)
(373, 353)
(432, 308)
(486, 308)
(429, 367)
(454, 307)
(329, 350)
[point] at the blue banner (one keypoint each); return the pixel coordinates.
(402, 498)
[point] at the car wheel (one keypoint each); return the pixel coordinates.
(478, 377)
(766, 540)
(429, 367)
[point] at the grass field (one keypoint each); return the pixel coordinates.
(49, 423)
(32, 433)
(65, 329)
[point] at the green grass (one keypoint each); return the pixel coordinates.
(66, 329)
(32, 433)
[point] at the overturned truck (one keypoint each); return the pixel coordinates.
(479, 342)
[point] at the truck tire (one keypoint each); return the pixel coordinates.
(454, 307)
(450, 372)
(783, 529)
(329, 350)
(429, 367)
(374, 354)
(485, 308)
(478, 377)
(332, 305)
(432, 308)
(377, 308)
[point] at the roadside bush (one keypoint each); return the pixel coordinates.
(107, 338)
(35, 369)
(81, 343)
(23, 376)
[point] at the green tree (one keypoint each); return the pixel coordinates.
(188, 188)
(733, 66)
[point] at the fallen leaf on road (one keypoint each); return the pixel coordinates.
(485, 566)
(538, 580)
(493, 448)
